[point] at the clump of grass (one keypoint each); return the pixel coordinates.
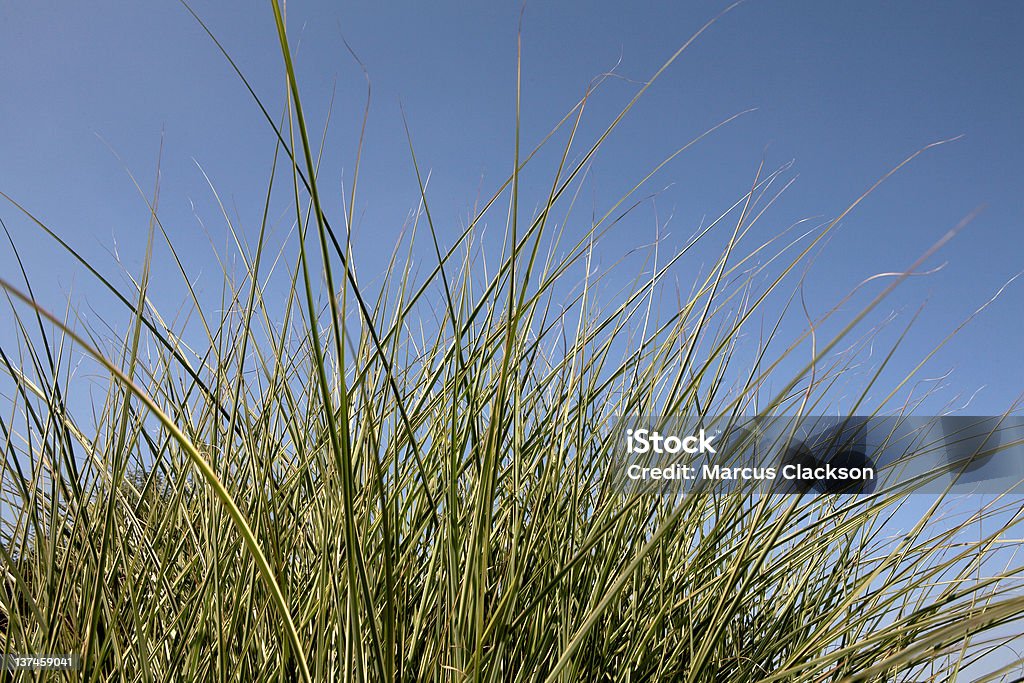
(407, 483)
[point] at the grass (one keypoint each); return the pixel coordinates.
(406, 482)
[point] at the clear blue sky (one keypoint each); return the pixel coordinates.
(845, 89)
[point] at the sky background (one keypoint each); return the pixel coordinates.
(844, 90)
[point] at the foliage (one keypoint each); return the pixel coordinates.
(407, 483)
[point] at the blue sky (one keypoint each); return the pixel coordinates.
(845, 90)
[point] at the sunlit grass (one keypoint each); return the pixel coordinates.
(405, 481)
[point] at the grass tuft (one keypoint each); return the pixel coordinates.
(406, 481)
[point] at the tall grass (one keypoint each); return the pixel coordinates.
(404, 482)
